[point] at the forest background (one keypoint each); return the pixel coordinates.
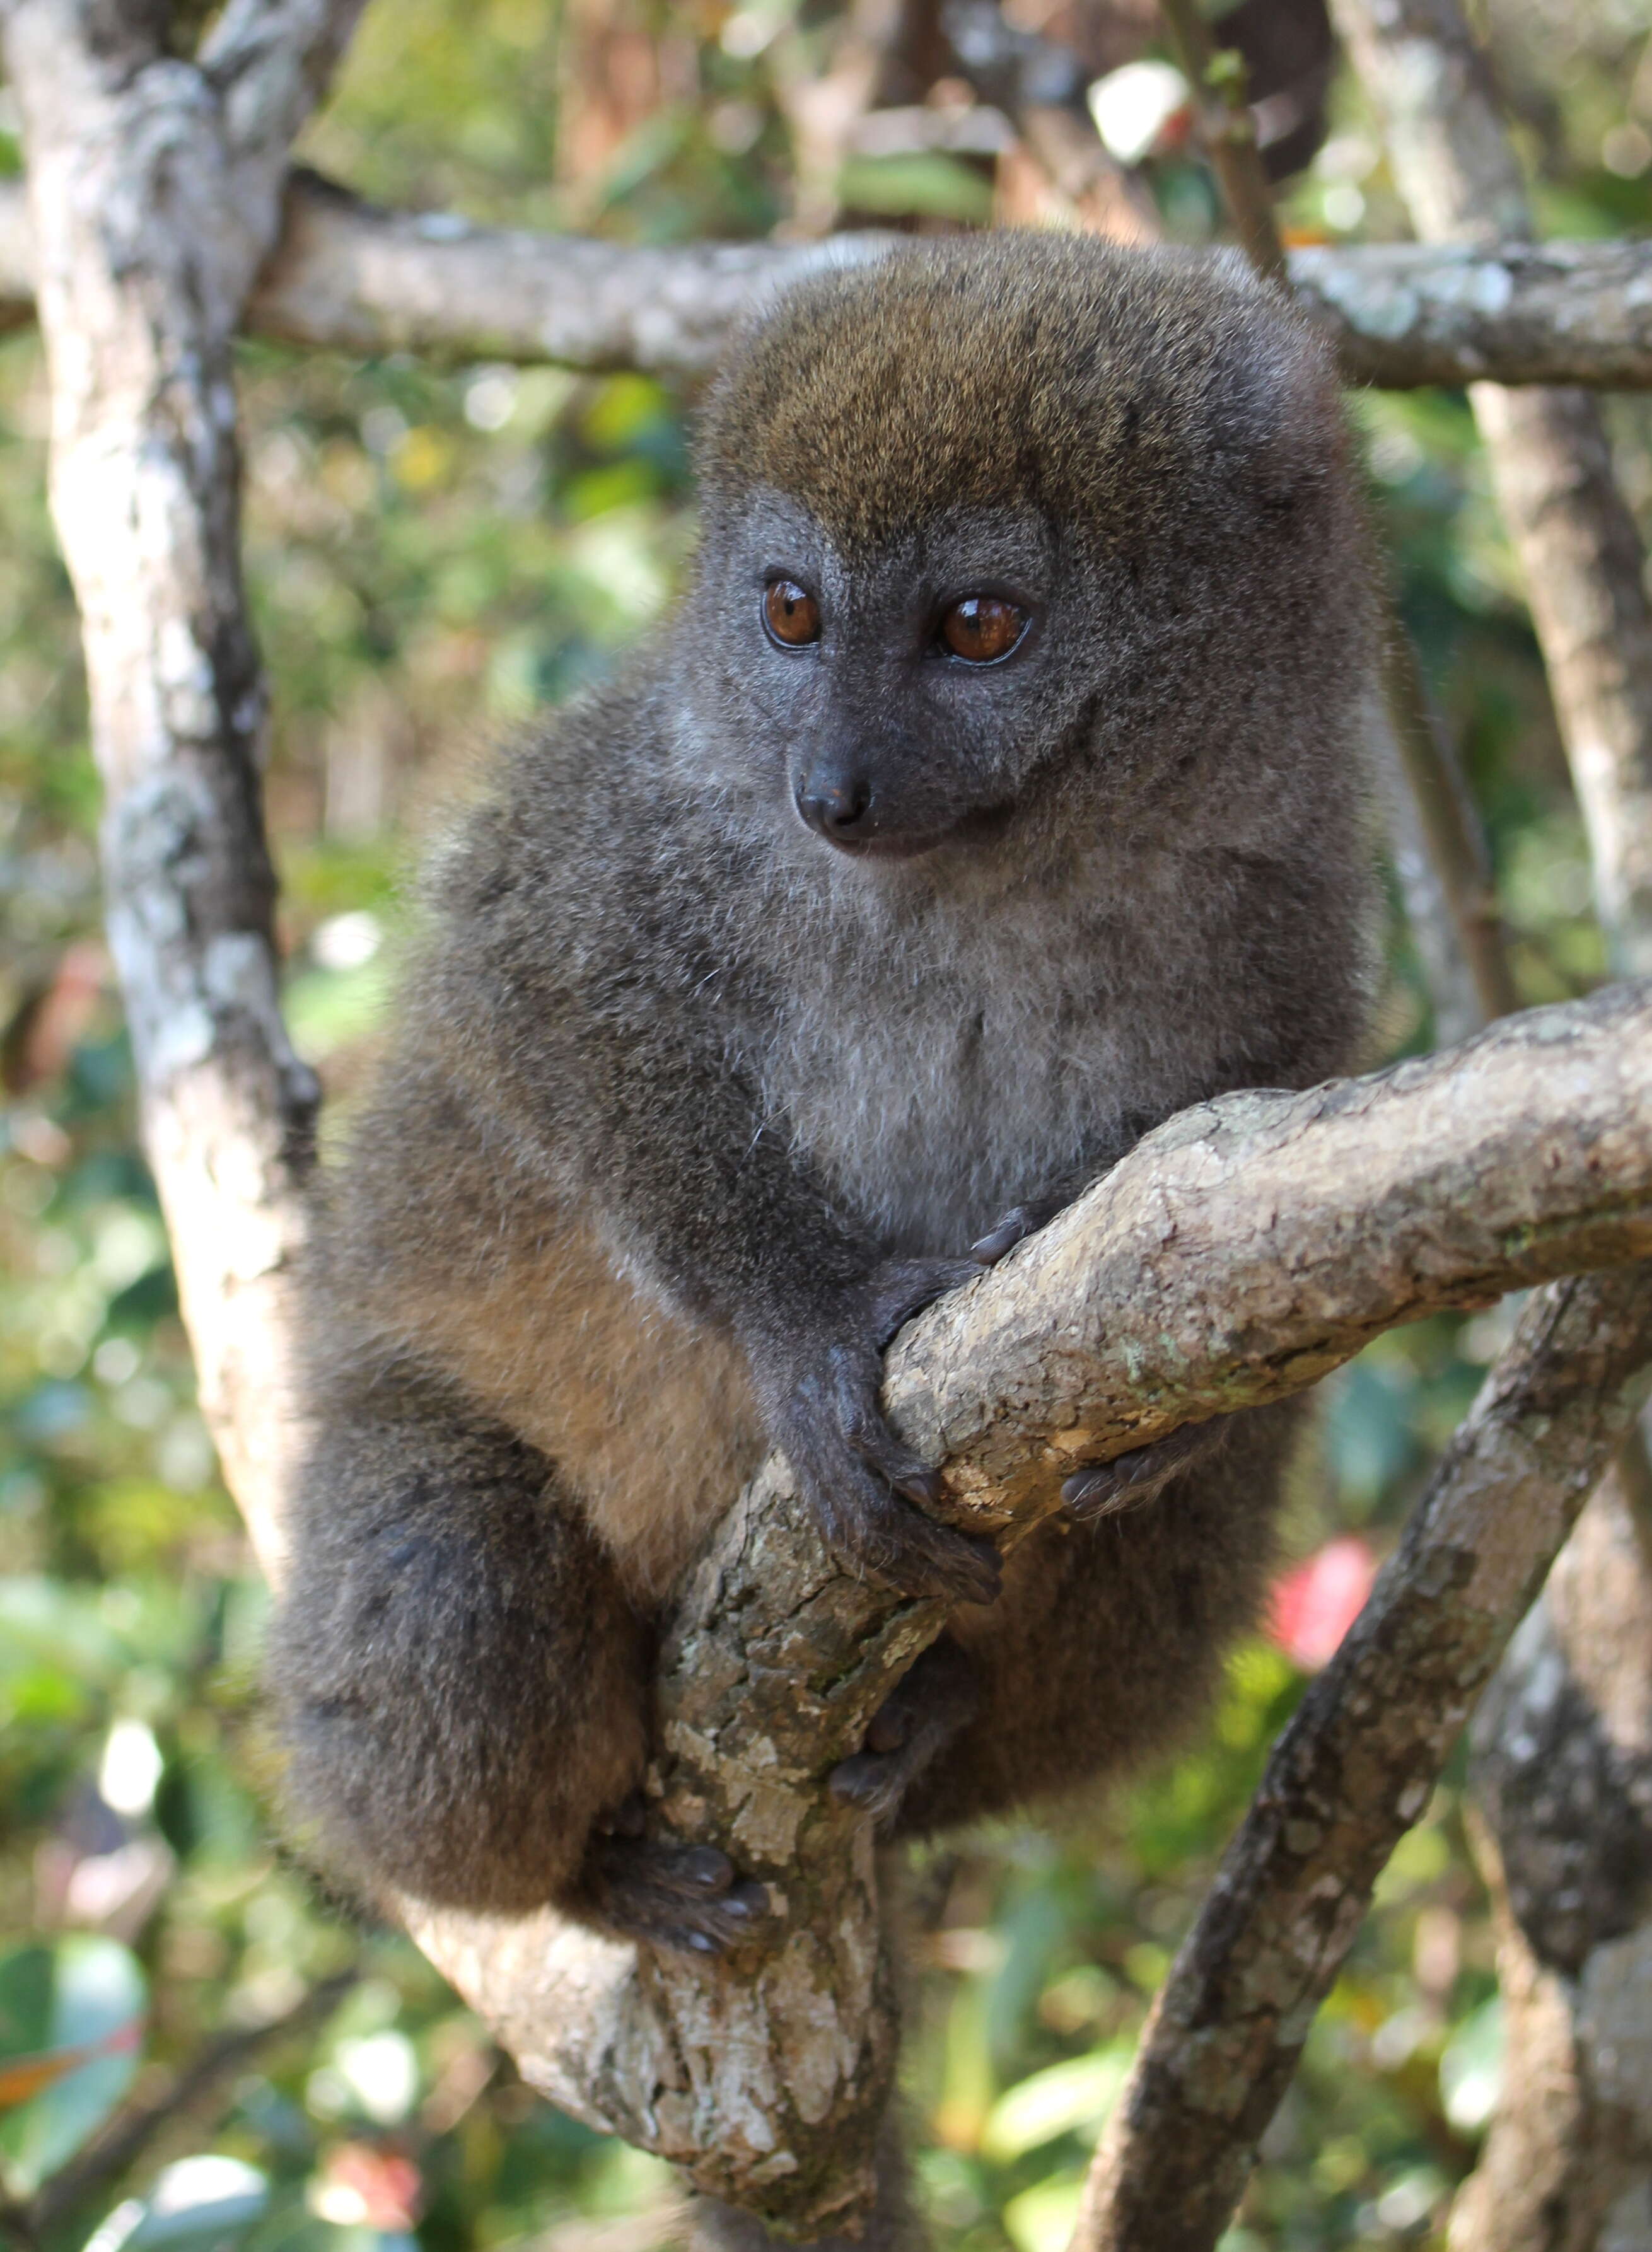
(431, 553)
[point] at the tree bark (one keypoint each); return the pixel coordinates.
(348, 277)
(1551, 461)
(1562, 1773)
(155, 196)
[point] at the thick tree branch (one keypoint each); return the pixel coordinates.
(351, 278)
(1235, 1255)
(153, 198)
(1357, 1765)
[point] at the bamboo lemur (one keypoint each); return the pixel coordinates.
(993, 792)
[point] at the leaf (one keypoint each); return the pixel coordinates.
(934, 185)
(206, 2197)
(1076, 2095)
(1043, 2219)
(28, 2075)
(1471, 2070)
(81, 1998)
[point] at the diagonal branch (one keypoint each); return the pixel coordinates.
(1357, 1765)
(1235, 1256)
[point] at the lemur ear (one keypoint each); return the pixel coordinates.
(1276, 414)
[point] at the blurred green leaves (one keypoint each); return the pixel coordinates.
(71, 2024)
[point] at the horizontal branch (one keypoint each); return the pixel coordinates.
(1401, 314)
(351, 278)
(1357, 1765)
(1235, 1255)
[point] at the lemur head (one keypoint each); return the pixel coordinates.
(1015, 519)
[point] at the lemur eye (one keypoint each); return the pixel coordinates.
(791, 615)
(981, 628)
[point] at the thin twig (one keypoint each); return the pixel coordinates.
(1218, 77)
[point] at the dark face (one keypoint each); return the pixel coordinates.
(896, 700)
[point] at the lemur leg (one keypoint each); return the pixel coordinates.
(1163, 1589)
(461, 1684)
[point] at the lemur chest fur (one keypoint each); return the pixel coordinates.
(954, 1070)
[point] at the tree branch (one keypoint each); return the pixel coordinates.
(347, 277)
(1356, 1767)
(154, 197)
(1562, 1776)
(1235, 1255)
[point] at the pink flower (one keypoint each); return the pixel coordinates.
(363, 2187)
(1314, 1606)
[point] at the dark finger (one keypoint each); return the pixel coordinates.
(1021, 1221)
(1092, 1492)
(875, 1443)
(905, 1290)
(999, 1241)
(927, 1558)
(749, 1901)
(887, 1730)
(858, 1779)
(704, 1867)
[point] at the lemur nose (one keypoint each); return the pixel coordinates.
(836, 806)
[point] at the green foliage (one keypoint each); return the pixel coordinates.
(430, 555)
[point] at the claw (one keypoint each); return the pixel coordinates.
(749, 1900)
(1021, 1221)
(705, 1867)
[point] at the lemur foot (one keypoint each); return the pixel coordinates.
(682, 1897)
(1127, 1480)
(920, 1716)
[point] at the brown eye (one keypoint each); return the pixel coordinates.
(791, 615)
(981, 628)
